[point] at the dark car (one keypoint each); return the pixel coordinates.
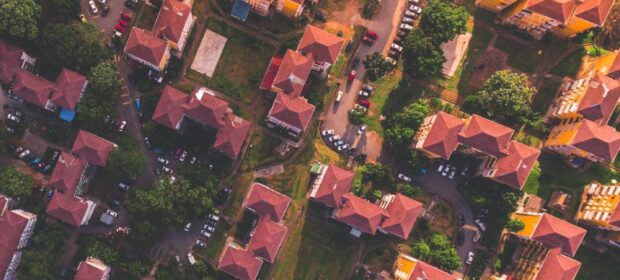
(125, 17)
(105, 11)
(355, 63)
(130, 4)
(349, 47)
(222, 196)
(320, 16)
(115, 204)
(460, 238)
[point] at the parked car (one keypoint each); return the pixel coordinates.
(121, 127)
(391, 61)
(415, 9)
(480, 224)
(408, 20)
(214, 217)
(410, 14)
(131, 3)
(105, 11)
(342, 147)
(368, 88)
(120, 28)
(338, 143)
(393, 54)
(405, 26)
(208, 228)
(138, 104)
(339, 96)
(222, 196)
(401, 33)
(352, 75)
(112, 213)
(13, 118)
(18, 113)
(125, 17)
(47, 168)
(327, 132)
(163, 160)
(355, 63)
(93, 7)
(334, 138)
(205, 233)
(397, 47)
(372, 35)
(414, 1)
(183, 156)
(200, 243)
(147, 142)
(363, 94)
(361, 129)
(358, 107)
(167, 169)
(102, 1)
(123, 187)
(364, 102)
(35, 161)
(9, 130)
(477, 236)
(187, 226)
(470, 258)
(404, 177)
(18, 150)
(320, 16)
(211, 223)
(190, 258)
(24, 154)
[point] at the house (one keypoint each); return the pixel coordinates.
(169, 111)
(230, 137)
(409, 268)
(147, 49)
(502, 159)
(291, 114)
(239, 263)
(266, 202)
(70, 209)
(11, 59)
(267, 239)
(550, 231)
(92, 269)
(360, 214)
(174, 24)
(292, 74)
(584, 139)
(402, 212)
(92, 148)
(323, 46)
(16, 228)
(331, 183)
(71, 87)
(564, 18)
(33, 89)
(289, 8)
(599, 206)
(69, 175)
(206, 109)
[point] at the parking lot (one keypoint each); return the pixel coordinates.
(106, 23)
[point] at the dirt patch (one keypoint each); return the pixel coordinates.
(492, 60)
(209, 52)
(346, 12)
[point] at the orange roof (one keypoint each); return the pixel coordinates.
(146, 46)
(169, 111)
(206, 108)
(529, 220)
(171, 20)
(92, 148)
(10, 60)
(403, 213)
(514, 168)
(600, 99)
(67, 208)
(557, 266)
(425, 271)
(323, 46)
(296, 112)
(265, 201)
(32, 88)
(361, 214)
(240, 264)
(67, 173)
(601, 141)
(293, 73)
(486, 135)
(554, 232)
(70, 85)
(267, 239)
(442, 138)
(336, 182)
(229, 139)
(91, 269)
(12, 226)
(560, 10)
(594, 11)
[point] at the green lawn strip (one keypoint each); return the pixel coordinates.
(477, 266)
(240, 188)
(520, 56)
(340, 65)
(218, 241)
(261, 151)
(545, 95)
(570, 65)
(147, 17)
(531, 185)
(595, 266)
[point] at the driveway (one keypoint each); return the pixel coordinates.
(385, 24)
(108, 22)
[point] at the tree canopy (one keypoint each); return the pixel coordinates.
(515, 225)
(438, 251)
(19, 18)
(98, 101)
(401, 127)
(421, 58)
(65, 8)
(39, 260)
(376, 66)
(15, 183)
(505, 97)
(127, 161)
(442, 21)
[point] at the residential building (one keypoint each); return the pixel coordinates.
(289, 8)
(330, 184)
(69, 175)
(267, 239)
(203, 107)
(323, 46)
(599, 206)
(12, 58)
(292, 74)
(174, 24)
(71, 87)
(402, 212)
(502, 159)
(16, 228)
(291, 114)
(33, 89)
(70, 209)
(360, 214)
(266, 202)
(584, 139)
(239, 263)
(92, 269)
(409, 268)
(147, 49)
(564, 18)
(92, 148)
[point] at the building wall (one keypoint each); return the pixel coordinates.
(13, 264)
(421, 135)
(573, 27)
(148, 64)
(260, 7)
(284, 125)
(89, 212)
(494, 5)
(561, 137)
(289, 8)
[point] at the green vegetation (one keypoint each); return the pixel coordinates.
(358, 116)
(438, 251)
(261, 151)
(515, 225)
(127, 161)
(421, 58)
(595, 266)
(570, 64)
(401, 127)
(14, 183)
(64, 9)
(18, 19)
(520, 56)
(98, 101)
(376, 66)
(442, 21)
(39, 260)
(147, 17)
(340, 66)
(478, 265)
(545, 95)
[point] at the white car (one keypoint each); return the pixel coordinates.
(167, 169)
(13, 118)
(338, 143)
(440, 168)
(208, 228)
(358, 107)
(361, 129)
(214, 218)
(24, 154)
(343, 147)
(368, 88)
(477, 236)
(452, 174)
(102, 1)
(470, 258)
(415, 9)
(188, 226)
(334, 138)
(200, 243)
(172, 179)
(414, 1)
(93, 7)
(183, 156)
(397, 47)
(121, 127)
(445, 171)
(391, 61)
(205, 233)
(407, 27)
(191, 258)
(163, 160)
(364, 94)
(327, 132)
(404, 177)
(339, 96)
(408, 19)
(112, 213)
(481, 225)
(410, 14)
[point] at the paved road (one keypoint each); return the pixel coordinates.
(108, 22)
(385, 24)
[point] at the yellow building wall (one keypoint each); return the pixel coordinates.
(562, 135)
(164, 60)
(494, 5)
(574, 26)
(515, 9)
(290, 8)
(603, 63)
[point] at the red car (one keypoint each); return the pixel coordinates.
(372, 35)
(125, 17)
(122, 23)
(363, 102)
(352, 75)
(120, 28)
(369, 41)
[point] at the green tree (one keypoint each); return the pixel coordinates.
(102, 90)
(442, 21)
(58, 44)
(408, 189)
(39, 261)
(421, 250)
(398, 136)
(15, 183)
(19, 18)
(65, 8)
(358, 117)
(91, 54)
(403, 125)
(104, 79)
(103, 252)
(505, 97)
(515, 225)
(421, 58)
(376, 66)
(127, 161)
(443, 254)
(509, 201)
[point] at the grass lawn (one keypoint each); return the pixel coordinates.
(520, 56)
(595, 265)
(147, 17)
(570, 65)
(444, 220)
(241, 66)
(240, 185)
(543, 98)
(218, 241)
(261, 152)
(531, 185)
(339, 66)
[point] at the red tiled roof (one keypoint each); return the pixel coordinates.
(10, 60)
(442, 138)
(146, 46)
(32, 88)
(67, 208)
(594, 11)
(12, 226)
(88, 271)
(172, 17)
(486, 135)
(514, 168)
(169, 111)
(265, 201)
(600, 99)
(229, 139)
(323, 46)
(67, 173)
(560, 10)
(403, 213)
(92, 148)
(601, 141)
(240, 264)
(360, 214)
(614, 69)
(70, 85)
(558, 267)
(553, 232)
(293, 73)
(270, 74)
(206, 109)
(336, 182)
(424, 271)
(267, 240)
(296, 112)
